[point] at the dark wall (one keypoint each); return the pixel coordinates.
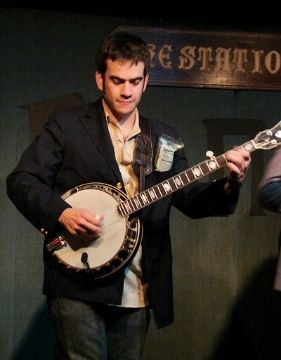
(223, 267)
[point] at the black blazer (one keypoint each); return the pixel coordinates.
(75, 148)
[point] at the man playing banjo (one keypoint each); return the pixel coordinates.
(107, 258)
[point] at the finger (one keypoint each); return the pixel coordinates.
(93, 219)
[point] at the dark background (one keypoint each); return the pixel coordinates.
(230, 15)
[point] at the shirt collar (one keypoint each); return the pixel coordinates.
(112, 120)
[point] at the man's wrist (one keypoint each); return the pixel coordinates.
(232, 183)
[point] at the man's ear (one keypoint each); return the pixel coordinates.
(99, 80)
(145, 82)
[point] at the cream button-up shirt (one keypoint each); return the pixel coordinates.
(134, 291)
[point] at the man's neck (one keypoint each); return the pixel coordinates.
(125, 124)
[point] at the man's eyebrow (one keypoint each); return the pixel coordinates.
(113, 77)
(137, 78)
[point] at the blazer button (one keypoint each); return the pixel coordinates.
(119, 186)
(43, 231)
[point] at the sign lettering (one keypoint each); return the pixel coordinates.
(213, 59)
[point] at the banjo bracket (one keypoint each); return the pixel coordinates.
(57, 244)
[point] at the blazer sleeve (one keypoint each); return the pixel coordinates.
(269, 191)
(30, 186)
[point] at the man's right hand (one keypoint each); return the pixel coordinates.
(81, 222)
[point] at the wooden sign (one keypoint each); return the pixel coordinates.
(213, 59)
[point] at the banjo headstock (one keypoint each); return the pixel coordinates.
(269, 138)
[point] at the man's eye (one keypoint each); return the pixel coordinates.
(116, 81)
(136, 81)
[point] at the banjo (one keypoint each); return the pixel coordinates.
(121, 232)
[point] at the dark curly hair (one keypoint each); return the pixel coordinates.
(124, 46)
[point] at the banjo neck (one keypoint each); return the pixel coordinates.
(176, 182)
(265, 140)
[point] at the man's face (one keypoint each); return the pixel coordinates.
(122, 85)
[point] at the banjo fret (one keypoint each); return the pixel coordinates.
(130, 206)
(152, 194)
(173, 185)
(178, 181)
(158, 192)
(121, 209)
(136, 203)
(187, 178)
(144, 198)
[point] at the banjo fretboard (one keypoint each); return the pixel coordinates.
(176, 182)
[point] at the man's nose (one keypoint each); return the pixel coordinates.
(126, 89)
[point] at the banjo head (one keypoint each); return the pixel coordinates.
(118, 242)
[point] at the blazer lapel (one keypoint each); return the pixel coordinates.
(95, 124)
